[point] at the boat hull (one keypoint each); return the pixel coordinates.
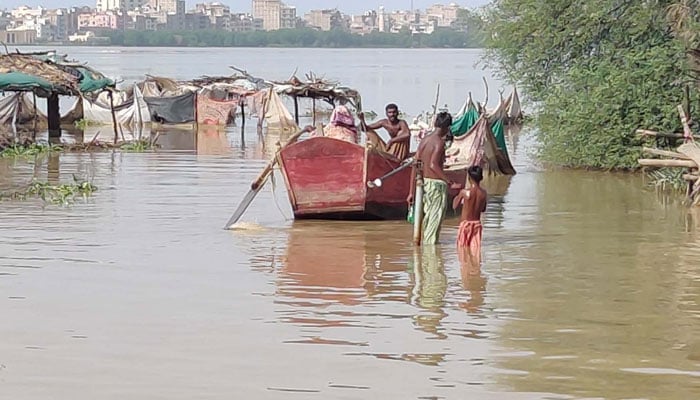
(327, 179)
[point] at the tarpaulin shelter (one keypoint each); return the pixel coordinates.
(49, 75)
(478, 147)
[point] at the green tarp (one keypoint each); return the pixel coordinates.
(17, 81)
(92, 83)
(464, 123)
(498, 130)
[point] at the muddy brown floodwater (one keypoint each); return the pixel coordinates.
(589, 288)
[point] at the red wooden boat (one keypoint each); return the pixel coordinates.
(327, 178)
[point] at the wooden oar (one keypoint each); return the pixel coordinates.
(259, 182)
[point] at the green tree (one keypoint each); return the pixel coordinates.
(596, 69)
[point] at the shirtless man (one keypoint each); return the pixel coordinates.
(400, 136)
(431, 154)
(473, 202)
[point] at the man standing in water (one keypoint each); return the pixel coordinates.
(400, 136)
(431, 154)
(473, 202)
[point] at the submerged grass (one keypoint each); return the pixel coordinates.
(29, 149)
(667, 179)
(10, 149)
(63, 194)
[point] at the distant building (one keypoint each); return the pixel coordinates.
(324, 20)
(21, 35)
(124, 5)
(58, 20)
(444, 15)
(245, 23)
(275, 14)
(81, 37)
(219, 15)
(105, 20)
(168, 6)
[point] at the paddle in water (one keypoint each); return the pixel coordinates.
(260, 181)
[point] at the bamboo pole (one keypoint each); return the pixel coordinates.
(645, 162)
(114, 117)
(691, 177)
(665, 153)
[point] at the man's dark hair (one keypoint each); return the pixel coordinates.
(475, 173)
(443, 120)
(391, 106)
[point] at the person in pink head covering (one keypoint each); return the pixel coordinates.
(342, 125)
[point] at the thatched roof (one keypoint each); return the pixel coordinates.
(318, 88)
(45, 73)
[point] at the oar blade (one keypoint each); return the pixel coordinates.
(242, 207)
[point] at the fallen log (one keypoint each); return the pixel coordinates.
(665, 153)
(647, 162)
(691, 177)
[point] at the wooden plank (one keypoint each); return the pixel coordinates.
(665, 153)
(667, 163)
(647, 132)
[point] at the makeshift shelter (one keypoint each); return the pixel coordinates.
(130, 108)
(478, 147)
(49, 75)
(465, 119)
(317, 89)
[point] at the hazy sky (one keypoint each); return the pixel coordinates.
(352, 6)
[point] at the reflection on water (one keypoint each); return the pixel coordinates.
(589, 285)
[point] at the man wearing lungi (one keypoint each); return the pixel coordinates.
(431, 154)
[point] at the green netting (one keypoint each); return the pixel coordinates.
(498, 130)
(17, 81)
(463, 124)
(92, 83)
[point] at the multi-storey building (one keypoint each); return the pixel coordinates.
(445, 15)
(324, 20)
(219, 15)
(124, 5)
(275, 14)
(168, 6)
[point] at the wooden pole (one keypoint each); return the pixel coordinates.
(242, 116)
(666, 163)
(296, 110)
(418, 206)
(54, 115)
(313, 111)
(114, 117)
(35, 115)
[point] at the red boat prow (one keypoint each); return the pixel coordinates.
(327, 179)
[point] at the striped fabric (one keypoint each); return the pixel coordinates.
(434, 207)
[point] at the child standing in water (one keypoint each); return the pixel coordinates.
(473, 200)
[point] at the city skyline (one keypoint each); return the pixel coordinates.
(357, 6)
